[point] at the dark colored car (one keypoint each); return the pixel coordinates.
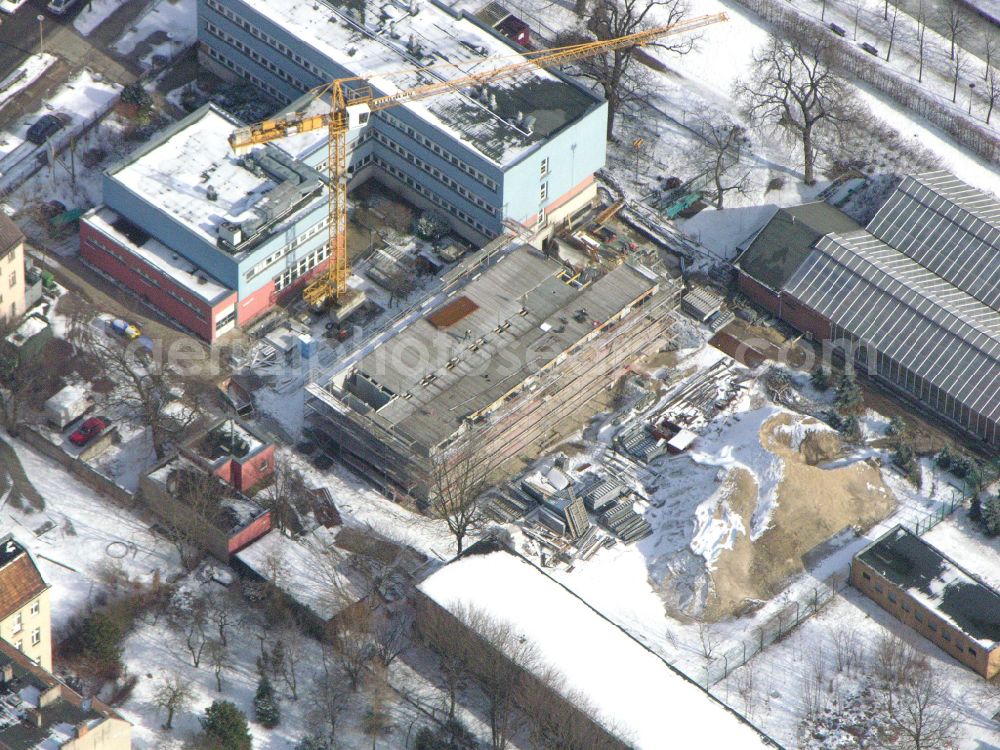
(44, 128)
(91, 428)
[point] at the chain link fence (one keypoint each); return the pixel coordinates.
(787, 619)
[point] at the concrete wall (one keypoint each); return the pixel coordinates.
(924, 620)
(17, 630)
(12, 283)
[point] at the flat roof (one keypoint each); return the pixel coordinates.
(524, 313)
(315, 572)
(372, 38)
(629, 689)
(176, 267)
(937, 582)
(783, 244)
(190, 173)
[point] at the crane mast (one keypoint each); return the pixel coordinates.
(351, 107)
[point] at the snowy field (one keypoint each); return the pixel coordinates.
(95, 13)
(24, 75)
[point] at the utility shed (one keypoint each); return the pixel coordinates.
(934, 595)
(630, 692)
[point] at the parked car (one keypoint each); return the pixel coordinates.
(123, 328)
(88, 430)
(42, 130)
(61, 7)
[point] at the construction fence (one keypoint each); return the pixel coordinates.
(777, 627)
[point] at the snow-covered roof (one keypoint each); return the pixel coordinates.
(191, 173)
(311, 570)
(938, 583)
(153, 252)
(375, 37)
(634, 691)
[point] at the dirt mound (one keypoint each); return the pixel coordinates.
(819, 446)
(813, 504)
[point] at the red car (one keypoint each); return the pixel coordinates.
(87, 431)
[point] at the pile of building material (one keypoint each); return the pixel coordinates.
(639, 443)
(622, 520)
(508, 504)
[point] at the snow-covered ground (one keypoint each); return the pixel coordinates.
(778, 681)
(168, 27)
(79, 534)
(95, 13)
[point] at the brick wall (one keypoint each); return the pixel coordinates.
(110, 257)
(766, 298)
(924, 620)
(804, 318)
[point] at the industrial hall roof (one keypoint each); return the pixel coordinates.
(949, 228)
(908, 313)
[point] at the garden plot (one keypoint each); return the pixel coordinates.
(779, 688)
(79, 534)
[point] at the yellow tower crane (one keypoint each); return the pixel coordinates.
(352, 100)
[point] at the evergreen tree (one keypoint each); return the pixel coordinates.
(849, 396)
(976, 509)
(226, 727)
(944, 459)
(820, 378)
(265, 705)
(850, 428)
(100, 638)
(896, 427)
(991, 516)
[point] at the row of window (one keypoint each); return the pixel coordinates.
(267, 39)
(304, 265)
(929, 622)
(433, 197)
(433, 171)
(930, 394)
(139, 271)
(282, 252)
(436, 148)
(323, 75)
(244, 73)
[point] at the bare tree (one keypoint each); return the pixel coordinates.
(26, 375)
(992, 91)
(614, 71)
(198, 495)
(392, 636)
(921, 21)
(958, 68)
(892, 32)
(329, 698)
(191, 618)
(218, 660)
(955, 22)
(856, 7)
(721, 152)
(352, 643)
(746, 686)
(286, 653)
(893, 658)
(173, 693)
(708, 640)
(792, 85)
(287, 496)
(847, 648)
(458, 480)
(989, 49)
(917, 711)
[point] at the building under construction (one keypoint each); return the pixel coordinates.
(492, 369)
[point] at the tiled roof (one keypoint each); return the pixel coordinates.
(10, 234)
(20, 582)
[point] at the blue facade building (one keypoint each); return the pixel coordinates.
(524, 150)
